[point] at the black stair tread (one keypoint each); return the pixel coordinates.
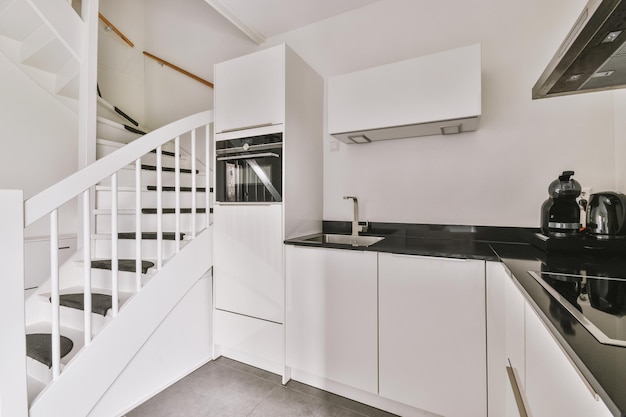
(172, 210)
(167, 169)
(150, 235)
(39, 347)
(127, 265)
(134, 130)
(182, 189)
(168, 153)
(100, 303)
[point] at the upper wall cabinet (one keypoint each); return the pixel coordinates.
(429, 95)
(250, 91)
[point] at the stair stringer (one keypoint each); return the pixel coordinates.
(89, 376)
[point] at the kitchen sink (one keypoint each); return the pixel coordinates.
(336, 239)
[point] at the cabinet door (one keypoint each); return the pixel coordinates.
(250, 90)
(418, 90)
(553, 386)
(505, 343)
(432, 334)
(332, 314)
(248, 260)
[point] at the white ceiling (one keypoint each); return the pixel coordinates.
(262, 19)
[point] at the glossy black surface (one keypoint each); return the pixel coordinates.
(451, 241)
(603, 365)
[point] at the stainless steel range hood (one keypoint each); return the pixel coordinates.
(592, 56)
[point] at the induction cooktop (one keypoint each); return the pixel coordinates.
(598, 303)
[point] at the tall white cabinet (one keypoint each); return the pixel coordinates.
(269, 91)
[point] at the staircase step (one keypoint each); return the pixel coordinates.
(199, 210)
(100, 303)
(42, 49)
(149, 222)
(150, 235)
(19, 20)
(126, 198)
(166, 153)
(127, 265)
(167, 169)
(182, 189)
(68, 80)
(39, 347)
(126, 177)
(113, 131)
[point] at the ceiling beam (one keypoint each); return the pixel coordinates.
(227, 12)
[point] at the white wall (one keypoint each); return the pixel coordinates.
(186, 33)
(496, 176)
(120, 66)
(39, 138)
(620, 141)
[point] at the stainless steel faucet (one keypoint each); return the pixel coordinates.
(355, 222)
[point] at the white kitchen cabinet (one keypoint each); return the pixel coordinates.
(434, 94)
(249, 275)
(432, 334)
(270, 91)
(505, 342)
(250, 90)
(332, 315)
(554, 387)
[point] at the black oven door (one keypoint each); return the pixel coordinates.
(249, 170)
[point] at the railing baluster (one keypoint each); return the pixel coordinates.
(138, 230)
(207, 175)
(193, 184)
(54, 294)
(177, 190)
(159, 208)
(114, 236)
(87, 265)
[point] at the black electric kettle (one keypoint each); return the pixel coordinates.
(606, 215)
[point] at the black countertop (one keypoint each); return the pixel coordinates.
(603, 365)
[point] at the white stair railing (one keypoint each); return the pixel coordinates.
(80, 183)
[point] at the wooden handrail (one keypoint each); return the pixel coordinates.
(174, 67)
(116, 30)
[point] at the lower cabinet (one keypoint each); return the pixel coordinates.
(554, 387)
(529, 374)
(505, 343)
(331, 327)
(433, 334)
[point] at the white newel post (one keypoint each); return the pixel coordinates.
(13, 390)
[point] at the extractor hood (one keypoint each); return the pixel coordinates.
(593, 55)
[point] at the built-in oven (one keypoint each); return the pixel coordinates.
(250, 169)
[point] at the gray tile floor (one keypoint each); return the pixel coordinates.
(227, 388)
